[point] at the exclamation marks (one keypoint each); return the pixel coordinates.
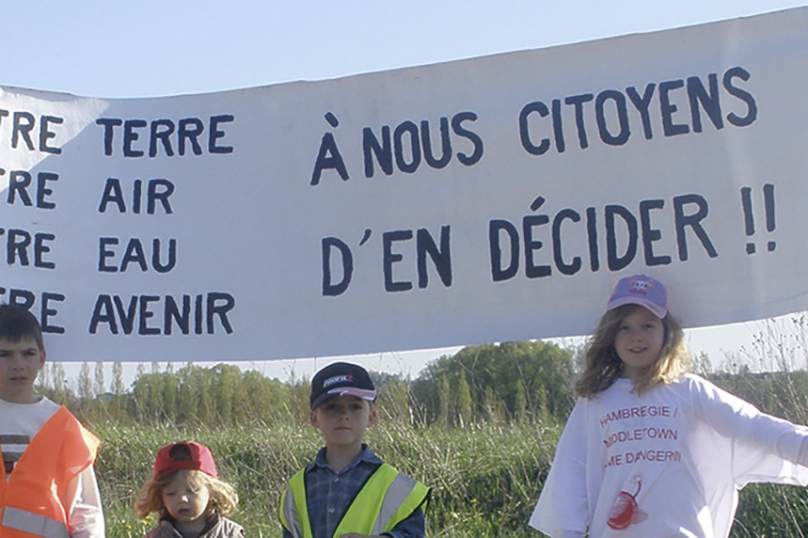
(749, 218)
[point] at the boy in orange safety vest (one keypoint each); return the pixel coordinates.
(48, 487)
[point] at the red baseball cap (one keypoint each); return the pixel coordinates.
(184, 455)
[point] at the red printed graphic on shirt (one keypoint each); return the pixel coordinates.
(625, 510)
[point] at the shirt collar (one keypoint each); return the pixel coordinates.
(366, 455)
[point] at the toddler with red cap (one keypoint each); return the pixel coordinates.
(185, 491)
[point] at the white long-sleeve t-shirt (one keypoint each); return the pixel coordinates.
(667, 463)
(19, 423)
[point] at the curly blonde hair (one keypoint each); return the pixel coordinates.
(223, 497)
(604, 367)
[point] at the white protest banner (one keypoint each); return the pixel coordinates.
(490, 199)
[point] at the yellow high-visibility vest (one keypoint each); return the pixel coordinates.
(33, 501)
(386, 499)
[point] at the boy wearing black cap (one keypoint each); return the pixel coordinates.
(348, 491)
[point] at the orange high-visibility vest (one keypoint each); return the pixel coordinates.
(33, 502)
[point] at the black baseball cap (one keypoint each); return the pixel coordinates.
(340, 379)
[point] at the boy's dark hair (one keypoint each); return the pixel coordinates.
(17, 323)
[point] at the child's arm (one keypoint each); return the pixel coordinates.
(765, 448)
(563, 507)
(412, 527)
(86, 517)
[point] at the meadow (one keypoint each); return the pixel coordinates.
(485, 478)
(480, 428)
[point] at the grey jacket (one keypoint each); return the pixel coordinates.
(217, 527)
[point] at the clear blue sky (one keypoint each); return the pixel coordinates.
(146, 48)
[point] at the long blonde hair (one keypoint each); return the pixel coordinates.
(223, 498)
(604, 367)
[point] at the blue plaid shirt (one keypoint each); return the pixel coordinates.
(329, 494)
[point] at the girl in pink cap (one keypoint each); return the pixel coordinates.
(185, 491)
(650, 450)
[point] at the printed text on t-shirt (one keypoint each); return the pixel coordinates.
(638, 412)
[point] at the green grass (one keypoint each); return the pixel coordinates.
(485, 479)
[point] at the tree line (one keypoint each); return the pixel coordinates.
(515, 381)
(512, 382)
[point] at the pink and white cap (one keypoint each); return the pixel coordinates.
(640, 290)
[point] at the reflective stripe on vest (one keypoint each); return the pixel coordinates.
(297, 526)
(386, 499)
(395, 507)
(20, 520)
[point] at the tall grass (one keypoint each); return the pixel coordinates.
(485, 479)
